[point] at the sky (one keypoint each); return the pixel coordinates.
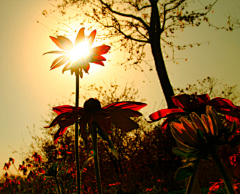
(28, 87)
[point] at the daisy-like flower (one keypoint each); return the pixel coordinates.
(202, 133)
(201, 137)
(117, 113)
(6, 166)
(37, 157)
(76, 57)
(11, 160)
(186, 132)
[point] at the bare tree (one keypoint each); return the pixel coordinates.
(213, 87)
(138, 23)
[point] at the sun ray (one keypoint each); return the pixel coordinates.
(80, 51)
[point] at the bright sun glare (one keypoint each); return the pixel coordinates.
(79, 51)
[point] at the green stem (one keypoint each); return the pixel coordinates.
(76, 135)
(59, 191)
(95, 156)
(191, 180)
(223, 173)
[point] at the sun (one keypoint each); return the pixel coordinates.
(80, 51)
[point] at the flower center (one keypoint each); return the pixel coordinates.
(92, 105)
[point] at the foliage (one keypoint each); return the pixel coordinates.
(213, 87)
(146, 162)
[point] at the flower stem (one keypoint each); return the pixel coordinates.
(76, 134)
(190, 183)
(95, 156)
(223, 173)
(192, 179)
(59, 191)
(16, 169)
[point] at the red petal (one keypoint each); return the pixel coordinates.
(124, 123)
(234, 113)
(223, 103)
(104, 121)
(59, 63)
(190, 102)
(100, 50)
(62, 117)
(67, 66)
(232, 119)
(65, 109)
(91, 37)
(164, 113)
(165, 125)
(80, 36)
(96, 59)
(56, 61)
(86, 67)
(126, 105)
(59, 133)
(98, 62)
(203, 99)
(62, 42)
(65, 43)
(55, 52)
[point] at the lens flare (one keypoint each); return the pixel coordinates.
(80, 51)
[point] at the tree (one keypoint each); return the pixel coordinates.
(134, 24)
(213, 87)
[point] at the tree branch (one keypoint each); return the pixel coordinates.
(125, 15)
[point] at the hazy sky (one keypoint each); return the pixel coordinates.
(27, 86)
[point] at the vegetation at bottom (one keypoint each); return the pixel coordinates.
(146, 163)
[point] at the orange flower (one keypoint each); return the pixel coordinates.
(186, 132)
(94, 55)
(118, 113)
(37, 157)
(11, 160)
(6, 166)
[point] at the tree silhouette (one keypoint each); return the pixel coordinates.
(134, 24)
(213, 87)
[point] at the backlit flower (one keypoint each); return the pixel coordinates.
(194, 103)
(117, 113)
(41, 170)
(201, 133)
(6, 166)
(37, 157)
(77, 56)
(11, 160)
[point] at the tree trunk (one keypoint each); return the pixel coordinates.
(162, 72)
(155, 31)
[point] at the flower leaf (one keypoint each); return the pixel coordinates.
(61, 172)
(186, 153)
(184, 172)
(85, 163)
(105, 137)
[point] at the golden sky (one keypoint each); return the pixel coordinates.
(27, 86)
